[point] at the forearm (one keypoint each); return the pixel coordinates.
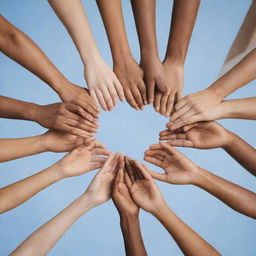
(186, 238)
(112, 16)
(44, 238)
(19, 47)
(17, 193)
(243, 73)
(236, 197)
(17, 109)
(144, 14)
(242, 152)
(133, 240)
(72, 15)
(239, 109)
(16, 148)
(183, 19)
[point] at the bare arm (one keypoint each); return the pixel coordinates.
(126, 68)
(103, 85)
(19, 47)
(98, 192)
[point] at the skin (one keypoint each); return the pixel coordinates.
(164, 80)
(147, 195)
(126, 68)
(196, 106)
(44, 238)
(19, 47)
(227, 109)
(79, 161)
(128, 211)
(53, 141)
(103, 85)
(180, 170)
(209, 135)
(65, 117)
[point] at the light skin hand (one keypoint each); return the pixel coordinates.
(203, 135)
(178, 168)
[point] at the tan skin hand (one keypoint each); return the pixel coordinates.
(83, 159)
(199, 106)
(65, 117)
(143, 189)
(203, 135)
(121, 195)
(178, 168)
(130, 76)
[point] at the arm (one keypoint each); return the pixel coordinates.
(103, 85)
(128, 211)
(65, 117)
(19, 47)
(126, 68)
(208, 135)
(197, 106)
(75, 163)
(98, 192)
(182, 23)
(147, 195)
(180, 170)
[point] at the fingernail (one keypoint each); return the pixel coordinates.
(157, 109)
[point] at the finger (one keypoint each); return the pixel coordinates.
(163, 104)
(137, 96)
(143, 92)
(170, 149)
(121, 171)
(155, 146)
(100, 151)
(158, 176)
(190, 126)
(77, 124)
(153, 160)
(101, 100)
(130, 99)
(98, 144)
(174, 136)
(169, 105)
(109, 99)
(181, 103)
(138, 173)
(127, 179)
(82, 113)
(117, 177)
(178, 96)
(94, 96)
(157, 100)
(114, 164)
(136, 177)
(99, 159)
(119, 90)
(75, 131)
(95, 166)
(165, 132)
(180, 112)
(113, 93)
(151, 91)
(129, 169)
(189, 120)
(142, 170)
(155, 152)
(181, 143)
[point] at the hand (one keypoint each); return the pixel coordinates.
(178, 168)
(203, 135)
(103, 85)
(99, 190)
(200, 106)
(82, 160)
(174, 80)
(143, 189)
(153, 77)
(130, 76)
(77, 95)
(120, 193)
(56, 141)
(65, 117)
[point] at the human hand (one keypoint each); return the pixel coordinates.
(99, 190)
(153, 76)
(56, 141)
(120, 193)
(130, 76)
(65, 117)
(82, 159)
(103, 84)
(204, 105)
(178, 168)
(79, 96)
(174, 80)
(143, 189)
(203, 135)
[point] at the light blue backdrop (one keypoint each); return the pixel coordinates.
(127, 131)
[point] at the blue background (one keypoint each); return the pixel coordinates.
(127, 131)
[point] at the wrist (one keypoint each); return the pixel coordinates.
(149, 54)
(161, 211)
(91, 57)
(230, 141)
(174, 60)
(218, 89)
(201, 178)
(128, 215)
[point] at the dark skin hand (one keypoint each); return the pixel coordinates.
(126, 68)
